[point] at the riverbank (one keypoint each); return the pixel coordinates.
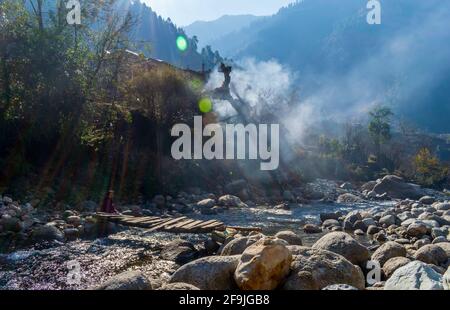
(339, 234)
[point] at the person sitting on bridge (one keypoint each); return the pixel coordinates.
(108, 204)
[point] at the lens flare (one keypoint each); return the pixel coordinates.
(182, 43)
(205, 105)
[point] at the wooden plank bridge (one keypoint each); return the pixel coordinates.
(170, 224)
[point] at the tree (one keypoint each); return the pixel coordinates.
(379, 126)
(428, 169)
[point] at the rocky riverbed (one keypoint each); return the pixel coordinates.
(319, 237)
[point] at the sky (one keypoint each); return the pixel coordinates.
(185, 12)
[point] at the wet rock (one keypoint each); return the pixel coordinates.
(206, 203)
(440, 239)
(372, 230)
(330, 223)
(393, 264)
(414, 276)
(397, 188)
(427, 200)
(388, 220)
(312, 229)
(47, 233)
(387, 251)
(12, 224)
(129, 280)
(348, 198)
(431, 254)
(231, 201)
(178, 287)
(421, 242)
(380, 236)
(351, 219)
(369, 222)
(179, 251)
(314, 269)
(238, 245)
(208, 273)
(264, 265)
(438, 232)
(417, 229)
(343, 244)
(290, 237)
(346, 186)
(340, 287)
(443, 206)
(359, 232)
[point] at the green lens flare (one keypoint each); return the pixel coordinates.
(182, 43)
(205, 105)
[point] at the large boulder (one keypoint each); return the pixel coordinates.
(231, 201)
(208, 273)
(387, 251)
(343, 244)
(427, 200)
(129, 280)
(238, 245)
(314, 269)
(47, 233)
(397, 188)
(393, 264)
(179, 251)
(442, 206)
(388, 220)
(351, 218)
(290, 237)
(206, 203)
(417, 229)
(414, 276)
(312, 229)
(431, 254)
(348, 198)
(264, 265)
(12, 224)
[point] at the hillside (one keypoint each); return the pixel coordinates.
(344, 64)
(211, 31)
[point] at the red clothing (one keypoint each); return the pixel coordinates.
(108, 206)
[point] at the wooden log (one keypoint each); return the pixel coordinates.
(178, 225)
(142, 219)
(160, 226)
(193, 224)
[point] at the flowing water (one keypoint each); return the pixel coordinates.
(51, 267)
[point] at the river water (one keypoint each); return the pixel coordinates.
(83, 264)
